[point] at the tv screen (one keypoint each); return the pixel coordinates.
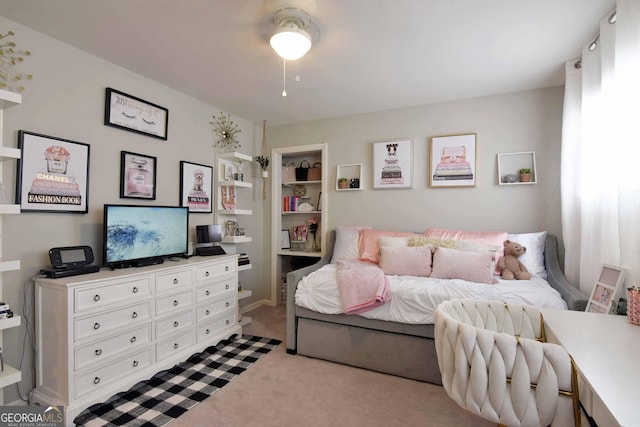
(144, 235)
(208, 233)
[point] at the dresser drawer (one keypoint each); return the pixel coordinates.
(173, 280)
(94, 380)
(173, 323)
(101, 350)
(111, 320)
(212, 290)
(174, 345)
(214, 308)
(215, 270)
(215, 326)
(101, 296)
(173, 302)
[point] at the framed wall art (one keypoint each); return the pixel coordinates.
(137, 176)
(605, 289)
(453, 161)
(53, 174)
(393, 164)
(135, 115)
(196, 187)
(285, 239)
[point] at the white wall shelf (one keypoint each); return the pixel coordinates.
(511, 163)
(11, 322)
(350, 172)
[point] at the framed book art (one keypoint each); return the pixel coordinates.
(393, 164)
(137, 176)
(196, 186)
(53, 174)
(605, 289)
(135, 115)
(453, 161)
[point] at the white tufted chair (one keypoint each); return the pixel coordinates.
(495, 363)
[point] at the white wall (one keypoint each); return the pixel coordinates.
(524, 121)
(65, 99)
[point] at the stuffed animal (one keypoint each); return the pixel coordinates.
(509, 264)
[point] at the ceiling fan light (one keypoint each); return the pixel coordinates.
(291, 42)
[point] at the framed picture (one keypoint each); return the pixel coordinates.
(453, 161)
(137, 176)
(392, 164)
(285, 239)
(135, 115)
(605, 289)
(53, 174)
(196, 187)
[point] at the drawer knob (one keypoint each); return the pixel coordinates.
(135, 289)
(96, 298)
(98, 352)
(207, 312)
(227, 321)
(206, 274)
(96, 326)
(96, 380)
(175, 302)
(135, 363)
(207, 293)
(175, 281)
(134, 315)
(227, 303)
(133, 339)
(175, 345)
(207, 331)
(226, 286)
(226, 268)
(175, 324)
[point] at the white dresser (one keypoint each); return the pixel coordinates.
(100, 333)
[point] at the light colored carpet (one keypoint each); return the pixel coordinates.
(286, 390)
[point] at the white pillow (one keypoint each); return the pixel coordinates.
(533, 258)
(406, 261)
(346, 246)
(393, 242)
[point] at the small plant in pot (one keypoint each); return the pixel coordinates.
(343, 183)
(263, 161)
(525, 175)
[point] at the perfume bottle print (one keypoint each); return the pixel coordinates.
(138, 178)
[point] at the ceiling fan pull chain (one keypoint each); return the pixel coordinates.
(284, 77)
(298, 70)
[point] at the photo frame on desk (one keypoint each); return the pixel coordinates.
(285, 239)
(605, 289)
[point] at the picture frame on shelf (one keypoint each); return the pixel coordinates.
(127, 112)
(453, 161)
(285, 239)
(53, 174)
(606, 287)
(196, 187)
(393, 164)
(137, 176)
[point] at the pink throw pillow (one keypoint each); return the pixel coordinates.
(406, 261)
(369, 246)
(454, 264)
(496, 238)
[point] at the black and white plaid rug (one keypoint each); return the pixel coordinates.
(170, 393)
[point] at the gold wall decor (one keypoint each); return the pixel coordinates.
(10, 57)
(225, 130)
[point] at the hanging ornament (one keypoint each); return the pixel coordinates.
(225, 130)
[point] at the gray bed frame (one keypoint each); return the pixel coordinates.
(393, 348)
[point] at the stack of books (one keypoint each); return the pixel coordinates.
(5, 311)
(243, 259)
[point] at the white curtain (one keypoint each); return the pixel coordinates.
(600, 165)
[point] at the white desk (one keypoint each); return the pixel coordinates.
(606, 350)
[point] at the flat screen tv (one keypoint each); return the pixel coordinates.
(144, 235)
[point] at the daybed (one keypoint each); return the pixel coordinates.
(391, 347)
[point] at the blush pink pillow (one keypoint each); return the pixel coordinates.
(496, 238)
(406, 261)
(369, 246)
(454, 264)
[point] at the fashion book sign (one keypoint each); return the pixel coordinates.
(31, 416)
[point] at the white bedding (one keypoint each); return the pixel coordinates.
(414, 299)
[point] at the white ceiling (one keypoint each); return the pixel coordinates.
(372, 55)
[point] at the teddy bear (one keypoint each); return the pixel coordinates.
(509, 264)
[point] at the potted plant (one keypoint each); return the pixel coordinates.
(343, 183)
(263, 161)
(525, 175)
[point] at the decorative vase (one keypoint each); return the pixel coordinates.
(313, 241)
(265, 174)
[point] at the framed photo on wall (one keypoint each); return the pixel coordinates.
(127, 112)
(605, 289)
(137, 176)
(196, 187)
(53, 174)
(453, 161)
(393, 164)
